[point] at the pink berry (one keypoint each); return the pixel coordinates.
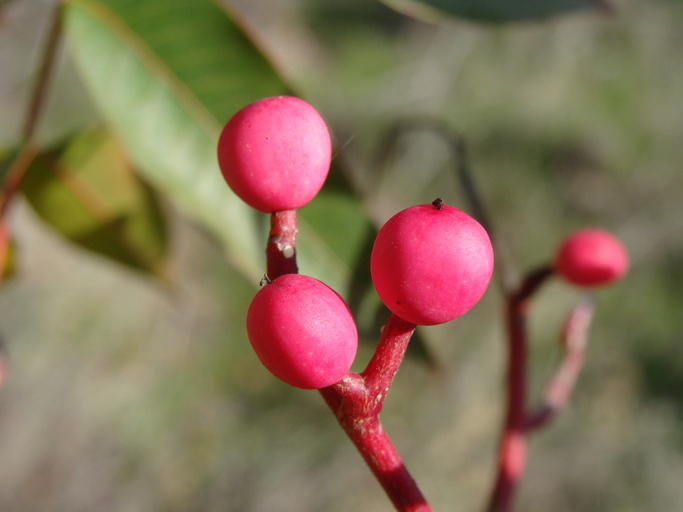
(275, 153)
(431, 263)
(591, 257)
(302, 331)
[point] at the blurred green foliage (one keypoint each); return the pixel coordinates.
(128, 395)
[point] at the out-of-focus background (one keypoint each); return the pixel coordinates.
(124, 394)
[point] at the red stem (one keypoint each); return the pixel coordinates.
(558, 390)
(281, 247)
(513, 446)
(356, 408)
(357, 399)
(512, 451)
(519, 422)
(387, 358)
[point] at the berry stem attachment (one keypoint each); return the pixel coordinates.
(281, 248)
(356, 400)
(387, 358)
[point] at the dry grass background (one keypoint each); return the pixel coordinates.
(124, 396)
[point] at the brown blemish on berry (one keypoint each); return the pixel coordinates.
(437, 203)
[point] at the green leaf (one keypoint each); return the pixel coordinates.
(491, 10)
(88, 192)
(166, 75)
(340, 221)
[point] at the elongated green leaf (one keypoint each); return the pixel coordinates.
(491, 10)
(89, 193)
(340, 221)
(166, 74)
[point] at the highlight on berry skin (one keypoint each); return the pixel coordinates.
(431, 263)
(302, 331)
(275, 153)
(591, 257)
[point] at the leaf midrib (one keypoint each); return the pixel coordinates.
(139, 47)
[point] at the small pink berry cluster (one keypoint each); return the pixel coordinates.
(430, 263)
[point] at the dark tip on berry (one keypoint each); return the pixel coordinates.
(437, 203)
(265, 280)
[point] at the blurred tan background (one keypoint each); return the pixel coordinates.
(123, 395)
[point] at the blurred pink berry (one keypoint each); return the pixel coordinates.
(275, 153)
(302, 331)
(431, 263)
(591, 257)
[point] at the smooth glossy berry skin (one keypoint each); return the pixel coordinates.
(302, 331)
(591, 257)
(275, 153)
(431, 264)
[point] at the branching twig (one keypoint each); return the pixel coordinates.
(559, 389)
(29, 148)
(357, 400)
(519, 421)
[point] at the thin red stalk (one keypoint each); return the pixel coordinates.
(281, 248)
(379, 453)
(356, 410)
(512, 451)
(513, 445)
(15, 175)
(559, 389)
(387, 358)
(29, 147)
(357, 399)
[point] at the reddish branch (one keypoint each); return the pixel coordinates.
(24, 157)
(519, 421)
(512, 451)
(35, 106)
(281, 248)
(559, 389)
(357, 399)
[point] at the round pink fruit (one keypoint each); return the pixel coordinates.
(302, 331)
(275, 153)
(431, 263)
(591, 257)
